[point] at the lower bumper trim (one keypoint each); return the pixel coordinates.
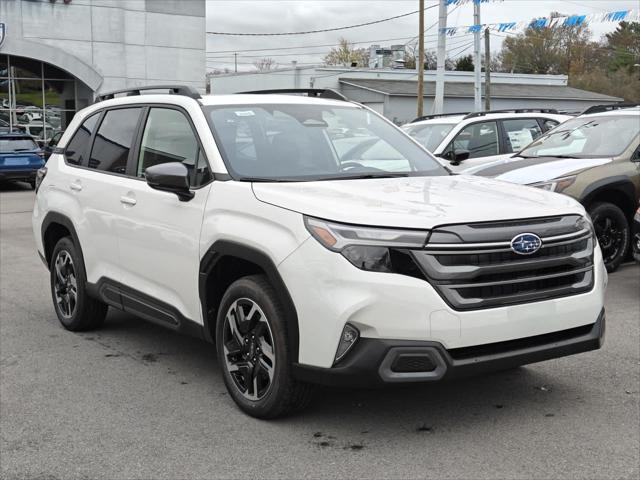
(369, 363)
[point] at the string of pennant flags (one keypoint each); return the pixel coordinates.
(462, 2)
(545, 22)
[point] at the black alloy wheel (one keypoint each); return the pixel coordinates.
(249, 349)
(65, 285)
(612, 231)
(75, 309)
(255, 352)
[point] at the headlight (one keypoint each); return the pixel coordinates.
(368, 248)
(558, 185)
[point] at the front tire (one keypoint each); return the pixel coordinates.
(254, 351)
(75, 309)
(612, 231)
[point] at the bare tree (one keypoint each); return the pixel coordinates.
(265, 64)
(346, 54)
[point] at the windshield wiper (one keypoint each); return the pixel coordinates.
(543, 156)
(364, 176)
(267, 180)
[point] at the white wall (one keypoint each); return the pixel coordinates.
(329, 77)
(128, 42)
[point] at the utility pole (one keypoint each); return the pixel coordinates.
(438, 102)
(477, 87)
(235, 62)
(487, 70)
(421, 60)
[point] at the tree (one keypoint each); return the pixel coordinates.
(612, 70)
(464, 64)
(411, 58)
(624, 46)
(346, 54)
(264, 64)
(548, 50)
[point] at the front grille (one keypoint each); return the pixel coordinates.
(473, 266)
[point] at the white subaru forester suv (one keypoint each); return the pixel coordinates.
(308, 257)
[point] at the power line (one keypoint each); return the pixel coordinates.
(239, 34)
(319, 53)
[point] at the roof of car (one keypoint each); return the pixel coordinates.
(609, 113)
(455, 119)
(253, 99)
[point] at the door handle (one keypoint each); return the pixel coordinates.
(76, 187)
(128, 201)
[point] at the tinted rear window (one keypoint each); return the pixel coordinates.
(114, 139)
(76, 151)
(10, 145)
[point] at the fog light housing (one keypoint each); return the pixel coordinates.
(348, 338)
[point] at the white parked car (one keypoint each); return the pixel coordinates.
(235, 219)
(464, 140)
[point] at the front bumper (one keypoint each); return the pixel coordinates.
(372, 361)
(328, 292)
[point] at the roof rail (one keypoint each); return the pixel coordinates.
(183, 90)
(609, 108)
(437, 115)
(513, 110)
(310, 92)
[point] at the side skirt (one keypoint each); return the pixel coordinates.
(125, 298)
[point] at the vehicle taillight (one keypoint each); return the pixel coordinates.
(40, 174)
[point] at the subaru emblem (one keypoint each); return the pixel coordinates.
(526, 243)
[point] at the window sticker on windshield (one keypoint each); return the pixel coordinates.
(244, 113)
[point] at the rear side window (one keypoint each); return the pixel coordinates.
(78, 147)
(114, 140)
(11, 145)
(479, 139)
(168, 137)
(520, 133)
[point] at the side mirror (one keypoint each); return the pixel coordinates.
(459, 155)
(170, 177)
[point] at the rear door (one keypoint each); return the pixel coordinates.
(159, 234)
(98, 153)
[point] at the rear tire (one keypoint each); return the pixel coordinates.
(254, 352)
(75, 309)
(612, 231)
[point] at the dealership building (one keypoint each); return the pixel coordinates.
(56, 55)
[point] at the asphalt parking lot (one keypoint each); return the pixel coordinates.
(135, 401)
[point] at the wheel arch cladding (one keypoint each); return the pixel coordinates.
(54, 227)
(617, 190)
(226, 262)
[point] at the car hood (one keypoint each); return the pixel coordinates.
(415, 202)
(534, 170)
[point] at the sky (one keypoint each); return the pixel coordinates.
(274, 16)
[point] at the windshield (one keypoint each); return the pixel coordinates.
(9, 145)
(587, 137)
(297, 142)
(430, 136)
